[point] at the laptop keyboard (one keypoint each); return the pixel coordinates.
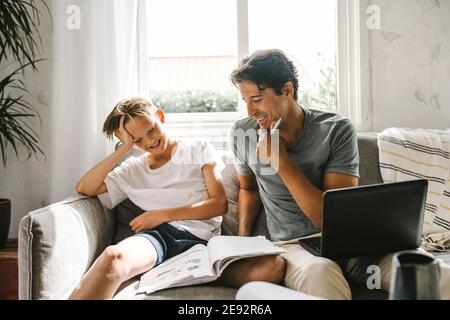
(314, 243)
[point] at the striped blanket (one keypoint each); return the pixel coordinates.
(408, 154)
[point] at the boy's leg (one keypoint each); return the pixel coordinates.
(115, 265)
(265, 268)
(315, 276)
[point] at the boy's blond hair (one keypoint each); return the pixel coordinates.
(130, 108)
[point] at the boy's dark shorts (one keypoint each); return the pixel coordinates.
(167, 240)
(170, 241)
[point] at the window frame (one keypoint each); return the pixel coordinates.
(353, 65)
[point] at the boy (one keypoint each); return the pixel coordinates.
(178, 186)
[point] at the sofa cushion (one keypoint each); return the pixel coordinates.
(231, 184)
(127, 291)
(58, 243)
(125, 212)
(369, 169)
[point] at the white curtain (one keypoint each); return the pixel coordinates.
(94, 67)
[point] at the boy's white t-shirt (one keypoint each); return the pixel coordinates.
(177, 183)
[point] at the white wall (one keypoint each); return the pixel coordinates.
(411, 64)
(27, 182)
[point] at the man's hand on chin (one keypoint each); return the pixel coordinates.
(270, 149)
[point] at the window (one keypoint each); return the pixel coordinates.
(192, 47)
(306, 31)
(188, 49)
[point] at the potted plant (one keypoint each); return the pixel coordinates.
(19, 45)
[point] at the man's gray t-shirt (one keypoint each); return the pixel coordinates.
(328, 143)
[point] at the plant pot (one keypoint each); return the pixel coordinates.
(5, 219)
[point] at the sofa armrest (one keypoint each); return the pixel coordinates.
(57, 245)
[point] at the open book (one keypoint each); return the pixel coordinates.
(202, 263)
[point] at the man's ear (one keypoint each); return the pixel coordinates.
(160, 115)
(288, 89)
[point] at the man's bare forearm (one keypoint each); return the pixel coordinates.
(249, 207)
(306, 195)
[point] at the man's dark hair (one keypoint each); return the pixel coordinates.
(267, 69)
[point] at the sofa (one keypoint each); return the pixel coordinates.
(57, 244)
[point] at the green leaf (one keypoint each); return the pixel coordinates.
(15, 112)
(19, 30)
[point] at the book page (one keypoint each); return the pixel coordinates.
(223, 250)
(182, 269)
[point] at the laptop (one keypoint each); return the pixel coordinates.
(370, 220)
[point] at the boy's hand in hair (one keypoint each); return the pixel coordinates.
(125, 138)
(148, 220)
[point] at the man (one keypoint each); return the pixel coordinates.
(288, 170)
(317, 152)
